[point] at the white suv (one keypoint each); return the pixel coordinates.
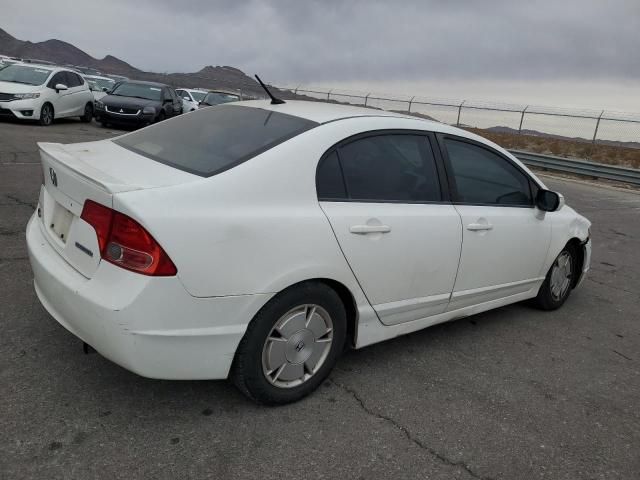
(38, 92)
(190, 98)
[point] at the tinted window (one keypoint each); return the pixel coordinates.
(214, 139)
(484, 177)
(60, 77)
(329, 181)
(391, 168)
(72, 80)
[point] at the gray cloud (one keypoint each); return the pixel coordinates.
(327, 41)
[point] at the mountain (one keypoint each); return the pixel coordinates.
(64, 53)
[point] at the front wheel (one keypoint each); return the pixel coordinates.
(291, 345)
(559, 280)
(46, 115)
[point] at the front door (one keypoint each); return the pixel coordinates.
(505, 238)
(382, 196)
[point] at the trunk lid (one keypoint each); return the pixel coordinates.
(95, 171)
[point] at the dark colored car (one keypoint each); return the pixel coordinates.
(138, 104)
(218, 98)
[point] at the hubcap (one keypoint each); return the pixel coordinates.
(561, 276)
(46, 114)
(297, 346)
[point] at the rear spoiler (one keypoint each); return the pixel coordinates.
(59, 154)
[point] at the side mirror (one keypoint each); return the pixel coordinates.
(105, 89)
(61, 86)
(549, 201)
(186, 99)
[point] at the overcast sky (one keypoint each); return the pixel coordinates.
(452, 48)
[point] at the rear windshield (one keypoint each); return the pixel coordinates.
(214, 139)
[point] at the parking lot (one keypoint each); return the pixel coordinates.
(514, 393)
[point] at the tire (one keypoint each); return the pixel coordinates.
(161, 116)
(104, 123)
(47, 115)
(559, 281)
(88, 113)
(277, 362)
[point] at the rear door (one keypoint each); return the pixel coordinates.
(383, 195)
(505, 238)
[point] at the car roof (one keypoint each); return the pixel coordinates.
(323, 112)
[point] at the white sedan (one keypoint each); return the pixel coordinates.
(254, 241)
(44, 93)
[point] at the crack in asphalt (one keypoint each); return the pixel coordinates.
(443, 459)
(21, 202)
(591, 279)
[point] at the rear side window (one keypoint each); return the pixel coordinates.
(387, 168)
(486, 178)
(212, 140)
(329, 180)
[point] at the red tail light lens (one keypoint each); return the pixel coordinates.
(125, 243)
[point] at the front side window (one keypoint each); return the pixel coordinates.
(24, 74)
(386, 168)
(218, 98)
(198, 96)
(486, 178)
(212, 140)
(58, 78)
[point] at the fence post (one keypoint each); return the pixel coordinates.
(329, 93)
(522, 119)
(459, 110)
(595, 133)
(366, 98)
(410, 102)
(295, 92)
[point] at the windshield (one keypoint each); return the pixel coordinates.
(198, 96)
(217, 98)
(24, 74)
(140, 90)
(101, 82)
(212, 140)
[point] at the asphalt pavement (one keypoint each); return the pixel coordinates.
(514, 393)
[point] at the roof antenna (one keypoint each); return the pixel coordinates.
(274, 100)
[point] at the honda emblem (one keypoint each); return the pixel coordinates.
(53, 176)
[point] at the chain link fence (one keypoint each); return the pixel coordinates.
(601, 135)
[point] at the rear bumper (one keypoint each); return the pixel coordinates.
(148, 325)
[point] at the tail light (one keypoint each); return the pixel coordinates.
(125, 243)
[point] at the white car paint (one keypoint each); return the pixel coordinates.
(98, 84)
(69, 102)
(241, 236)
(189, 98)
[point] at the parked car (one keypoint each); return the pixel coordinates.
(190, 98)
(253, 240)
(217, 97)
(100, 86)
(44, 93)
(138, 103)
(117, 78)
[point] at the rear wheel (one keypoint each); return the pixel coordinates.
(161, 117)
(291, 345)
(46, 115)
(88, 113)
(559, 280)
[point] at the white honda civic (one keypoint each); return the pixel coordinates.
(255, 241)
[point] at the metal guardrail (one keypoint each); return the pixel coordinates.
(579, 167)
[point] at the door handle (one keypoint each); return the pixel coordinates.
(364, 229)
(477, 227)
